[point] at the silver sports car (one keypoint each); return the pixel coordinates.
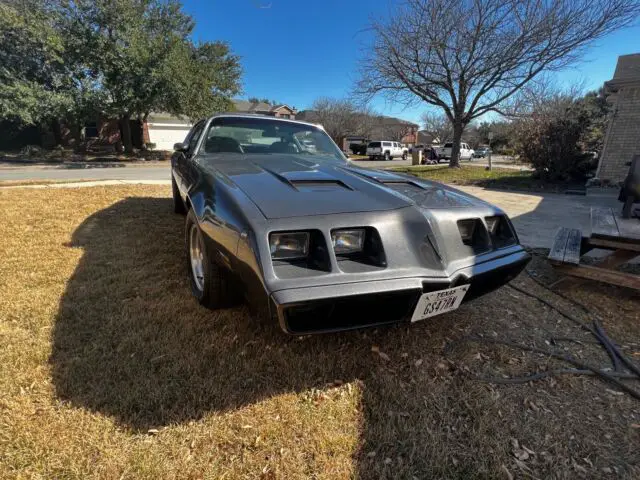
(277, 215)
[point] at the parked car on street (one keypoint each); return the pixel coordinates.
(319, 244)
(386, 150)
(466, 152)
(481, 152)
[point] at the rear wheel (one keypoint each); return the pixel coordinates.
(404, 156)
(211, 284)
(387, 156)
(178, 204)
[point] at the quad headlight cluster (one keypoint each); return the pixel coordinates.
(498, 230)
(295, 245)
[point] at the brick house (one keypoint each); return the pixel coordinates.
(262, 108)
(622, 140)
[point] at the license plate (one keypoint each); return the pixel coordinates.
(435, 303)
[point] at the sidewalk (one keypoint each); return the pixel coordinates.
(89, 183)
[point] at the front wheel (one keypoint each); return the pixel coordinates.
(211, 284)
(404, 156)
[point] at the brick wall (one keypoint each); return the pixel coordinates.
(623, 136)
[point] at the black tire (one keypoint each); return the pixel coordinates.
(404, 156)
(372, 158)
(387, 156)
(219, 289)
(178, 204)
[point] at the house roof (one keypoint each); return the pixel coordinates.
(256, 107)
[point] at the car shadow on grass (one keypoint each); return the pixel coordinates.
(131, 343)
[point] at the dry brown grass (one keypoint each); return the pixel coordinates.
(20, 183)
(108, 369)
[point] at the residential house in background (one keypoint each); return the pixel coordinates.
(262, 108)
(622, 140)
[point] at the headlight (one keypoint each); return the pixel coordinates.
(467, 228)
(347, 241)
(289, 245)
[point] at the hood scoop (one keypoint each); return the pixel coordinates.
(315, 185)
(308, 180)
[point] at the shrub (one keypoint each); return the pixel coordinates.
(553, 144)
(150, 146)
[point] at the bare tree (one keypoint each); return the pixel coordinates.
(393, 129)
(437, 125)
(468, 57)
(341, 118)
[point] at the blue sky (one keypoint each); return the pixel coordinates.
(298, 50)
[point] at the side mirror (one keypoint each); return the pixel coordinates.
(180, 147)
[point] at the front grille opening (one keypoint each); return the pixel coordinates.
(372, 254)
(501, 231)
(350, 312)
(474, 235)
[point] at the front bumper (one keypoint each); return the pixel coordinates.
(362, 304)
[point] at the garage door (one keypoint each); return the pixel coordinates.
(165, 136)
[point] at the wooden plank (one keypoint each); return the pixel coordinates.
(602, 275)
(629, 228)
(613, 244)
(615, 259)
(603, 223)
(572, 250)
(556, 254)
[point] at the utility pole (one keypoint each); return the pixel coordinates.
(490, 138)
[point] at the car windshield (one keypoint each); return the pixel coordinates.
(252, 136)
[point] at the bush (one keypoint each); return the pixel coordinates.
(31, 150)
(551, 146)
(150, 146)
(555, 141)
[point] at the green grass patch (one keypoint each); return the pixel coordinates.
(502, 178)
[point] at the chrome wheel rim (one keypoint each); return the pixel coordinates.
(196, 257)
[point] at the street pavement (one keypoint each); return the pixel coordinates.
(155, 171)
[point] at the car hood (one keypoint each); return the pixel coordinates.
(289, 185)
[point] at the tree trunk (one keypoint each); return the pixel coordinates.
(141, 121)
(125, 132)
(458, 129)
(56, 129)
(76, 133)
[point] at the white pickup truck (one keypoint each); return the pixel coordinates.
(387, 150)
(444, 153)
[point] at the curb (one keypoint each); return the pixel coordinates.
(89, 183)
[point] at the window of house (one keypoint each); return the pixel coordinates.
(91, 130)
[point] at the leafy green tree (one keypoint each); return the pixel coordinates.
(142, 55)
(32, 68)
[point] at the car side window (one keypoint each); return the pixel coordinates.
(195, 136)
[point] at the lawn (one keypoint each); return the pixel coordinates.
(501, 178)
(108, 369)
